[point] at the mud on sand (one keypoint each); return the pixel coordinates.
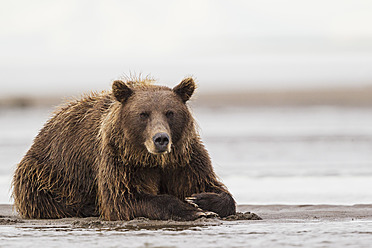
(267, 213)
(9, 217)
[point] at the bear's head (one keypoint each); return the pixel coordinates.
(155, 119)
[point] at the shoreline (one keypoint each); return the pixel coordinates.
(268, 213)
(282, 226)
(344, 96)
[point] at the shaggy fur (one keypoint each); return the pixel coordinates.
(96, 157)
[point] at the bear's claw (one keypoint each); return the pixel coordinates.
(190, 200)
(206, 215)
(202, 213)
(211, 214)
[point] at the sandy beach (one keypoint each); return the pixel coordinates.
(281, 226)
(268, 213)
(277, 213)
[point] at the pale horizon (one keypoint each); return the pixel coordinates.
(69, 47)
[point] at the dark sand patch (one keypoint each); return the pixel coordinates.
(311, 212)
(269, 213)
(338, 96)
(9, 217)
(352, 97)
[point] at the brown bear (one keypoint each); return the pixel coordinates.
(132, 152)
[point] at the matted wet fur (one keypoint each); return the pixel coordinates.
(132, 152)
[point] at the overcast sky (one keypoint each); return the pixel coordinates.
(69, 46)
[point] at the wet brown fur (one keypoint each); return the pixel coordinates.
(89, 160)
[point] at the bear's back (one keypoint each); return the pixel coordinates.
(64, 155)
(71, 135)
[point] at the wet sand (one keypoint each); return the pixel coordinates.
(281, 226)
(8, 216)
(266, 213)
(310, 212)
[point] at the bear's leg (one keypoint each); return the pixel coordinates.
(220, 203)
(32, 198)
(164, 207)
(37, 204)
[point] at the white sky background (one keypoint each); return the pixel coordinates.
(69, 46)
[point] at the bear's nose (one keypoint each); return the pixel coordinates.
(161, 141)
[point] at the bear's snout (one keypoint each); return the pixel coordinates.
(161, 141)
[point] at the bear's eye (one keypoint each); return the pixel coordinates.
(144, 115)
(169, 114)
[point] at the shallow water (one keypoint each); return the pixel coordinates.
(236, 234)
(292, 155)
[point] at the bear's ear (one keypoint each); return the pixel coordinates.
(121, 91)
(185, 89)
